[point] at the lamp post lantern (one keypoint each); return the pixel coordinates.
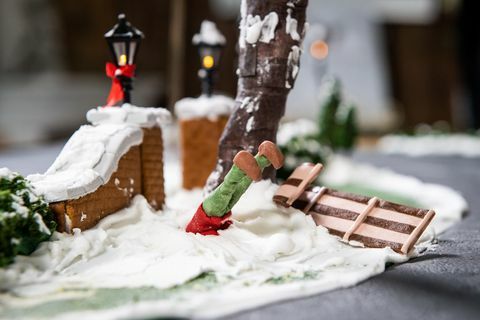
(124, 41)
(210, 43)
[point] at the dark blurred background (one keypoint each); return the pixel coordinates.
(402, 62)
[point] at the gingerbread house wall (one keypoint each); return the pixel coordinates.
(199, 144)
(139, 171)
(152, 167)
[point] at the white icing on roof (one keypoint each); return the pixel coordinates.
(204, 107)
(130, 114)
(87, 161)
(209, 34)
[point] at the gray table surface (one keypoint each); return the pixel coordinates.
(444, 284)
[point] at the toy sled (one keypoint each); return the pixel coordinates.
(371, 221)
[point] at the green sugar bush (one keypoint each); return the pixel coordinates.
(335, 130)
(25, 218)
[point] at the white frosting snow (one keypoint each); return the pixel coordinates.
(6, 173)
(87, 161)
(432, 144)
(291, 26)
(138, 248)
(298, 128)
(127, 113)
(204, 107)
(254, 28)
(293, 65)
(209, 34)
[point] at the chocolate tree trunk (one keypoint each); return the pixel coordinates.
(271, 32)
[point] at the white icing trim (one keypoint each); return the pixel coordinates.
(87, 161)
(254, 28)
(204, 107)
(127, 113)
(291, 26)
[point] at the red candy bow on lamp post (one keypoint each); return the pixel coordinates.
(116, 74)
(124, 41)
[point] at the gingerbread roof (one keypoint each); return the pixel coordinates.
(87, 161)
(91, 155)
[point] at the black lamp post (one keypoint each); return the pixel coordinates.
(209, 59)
(124, 42)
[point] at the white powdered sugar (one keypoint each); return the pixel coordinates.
(87, 161)
(209, 34)
(130, 114)
(204, 107)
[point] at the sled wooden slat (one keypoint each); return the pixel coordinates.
(373, 222)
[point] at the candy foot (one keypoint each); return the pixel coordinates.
(247, 163)
(270, 150)
(206, 225)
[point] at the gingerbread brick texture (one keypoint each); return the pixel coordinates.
(371, 221)
(85, 212)
(202, 121)
(104, 165)
(152, 167)
(199, 143)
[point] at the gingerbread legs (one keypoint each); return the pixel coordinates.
(219, 203)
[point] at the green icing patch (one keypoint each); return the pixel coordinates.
(309, 275)
(101, 299)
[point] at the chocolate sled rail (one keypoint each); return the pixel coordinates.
(374, 222)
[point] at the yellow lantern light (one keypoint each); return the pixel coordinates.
(208, 62)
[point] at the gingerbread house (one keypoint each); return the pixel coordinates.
(104, 165)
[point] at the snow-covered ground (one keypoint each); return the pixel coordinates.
(269, 254)
(431, 144)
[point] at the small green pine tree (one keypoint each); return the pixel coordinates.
(337, 129)
(25, 218)
(327, 120)
(347, 130)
